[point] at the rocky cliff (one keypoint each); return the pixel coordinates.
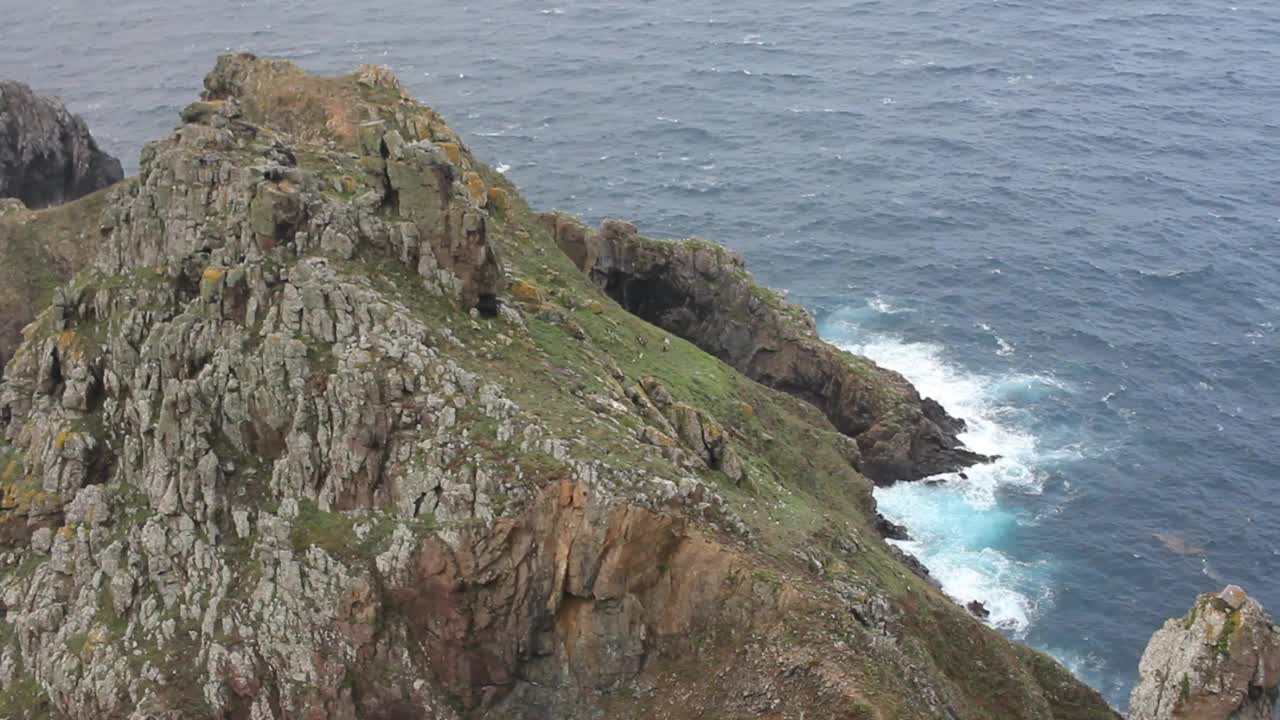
(47, 155)
(327, 424)
(703, 293)
(1221, 661)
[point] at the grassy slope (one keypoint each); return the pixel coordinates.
(40, 251)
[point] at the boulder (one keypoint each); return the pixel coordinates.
(47, 156)
(1220, 661)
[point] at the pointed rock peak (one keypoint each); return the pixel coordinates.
(1220, 661)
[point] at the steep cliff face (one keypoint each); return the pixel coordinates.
(47, 155)
(329, 426)
(1221, 661)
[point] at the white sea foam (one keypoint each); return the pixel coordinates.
(958, 525)
(881, 305)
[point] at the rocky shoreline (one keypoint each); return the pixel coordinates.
(315, 417)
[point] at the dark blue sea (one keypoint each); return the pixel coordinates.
(1060, 218)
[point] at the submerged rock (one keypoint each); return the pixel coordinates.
(1220, 661)
(47, 156)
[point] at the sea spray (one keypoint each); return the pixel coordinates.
(959, 529)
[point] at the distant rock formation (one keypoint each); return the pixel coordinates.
(703, 293)
(47, 156)
(1220, 661)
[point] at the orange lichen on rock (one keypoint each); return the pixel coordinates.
(476, 188)
(526, 292)
(453, 152)
(498, 198)
(61, 440)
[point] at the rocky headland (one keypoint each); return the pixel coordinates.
(316, 418)
(47, 156)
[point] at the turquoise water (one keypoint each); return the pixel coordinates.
(1059, 218)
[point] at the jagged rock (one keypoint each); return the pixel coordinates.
(890, 530)
(978, 609)
(704, 294)
(47, 156)
(695, 429)
(1220, 661)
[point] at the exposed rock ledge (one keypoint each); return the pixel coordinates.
(47, 156)
(703, 293)
(1220, 661)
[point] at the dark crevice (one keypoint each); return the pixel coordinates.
(391, 201)
(487, 305)
(55, 370)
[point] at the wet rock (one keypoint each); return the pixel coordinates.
(890, 530)
(47, 156)
(978, 609)
(1220, 661)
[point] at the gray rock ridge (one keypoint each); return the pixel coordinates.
(47, 155)
(703, 293)
(1221, 661)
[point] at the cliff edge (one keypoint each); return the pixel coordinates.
(326, 424)
(1220, 661)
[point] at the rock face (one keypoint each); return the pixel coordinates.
(47, 155)
(1220, 661)
(704, 294)
(290, 445)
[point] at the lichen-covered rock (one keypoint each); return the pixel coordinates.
(47, 155)
(272, 454)
(1220, 661)
(704, 294)
(696, 430)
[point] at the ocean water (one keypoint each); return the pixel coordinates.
(1060, 218)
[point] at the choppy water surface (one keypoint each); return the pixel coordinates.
(1060, 218)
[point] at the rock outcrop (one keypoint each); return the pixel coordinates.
(703, 293)
(1221, 661)
(47, 155)
(291, 445)
(40, 251)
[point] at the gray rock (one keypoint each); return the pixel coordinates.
(1220, 661)
(47, 155)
